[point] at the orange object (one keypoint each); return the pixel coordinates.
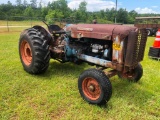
(156, 43)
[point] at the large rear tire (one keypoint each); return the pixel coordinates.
(94, 86)
(34, 51)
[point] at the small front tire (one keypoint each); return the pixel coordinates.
(94, 86)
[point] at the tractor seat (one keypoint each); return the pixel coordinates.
(55, 29)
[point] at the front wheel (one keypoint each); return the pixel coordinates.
(94, 86)
(133, 76)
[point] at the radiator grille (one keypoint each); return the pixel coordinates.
(135, 47)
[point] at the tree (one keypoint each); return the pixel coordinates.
(19, 2)
(131, 16)
(111, 14)
(44, 12)
(25, 3)
(60, 5)
(82, 10)
(29, 12)
(75, 15)
(83, 6)
(52, 15)
(33, 3)
(9, 3)
(122, 16)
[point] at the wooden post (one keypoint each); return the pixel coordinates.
(31, 22)
(7, 24)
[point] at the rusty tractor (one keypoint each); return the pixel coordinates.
(118, 47)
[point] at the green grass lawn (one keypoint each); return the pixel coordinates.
(54, 95)
(12, 26)
(21, 23)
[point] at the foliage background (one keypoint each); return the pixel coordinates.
(59, 9)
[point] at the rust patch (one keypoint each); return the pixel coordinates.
(111, 73)
(85, 29)
(117, 49)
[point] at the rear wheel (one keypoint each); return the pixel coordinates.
(34, 51)
(94, 86)
(133, 76)
(149, 33)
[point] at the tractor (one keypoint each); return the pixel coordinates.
(111, 49)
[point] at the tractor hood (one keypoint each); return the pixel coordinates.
(98, 31)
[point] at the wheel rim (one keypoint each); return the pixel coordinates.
(26, 52)
(91, 88)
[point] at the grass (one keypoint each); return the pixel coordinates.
(12, 26)
(20, 23)
(54, 95)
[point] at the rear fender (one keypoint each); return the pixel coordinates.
(45, 32)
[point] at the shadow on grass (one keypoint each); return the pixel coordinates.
(57, 69)
(128, 93)
(132, 93)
